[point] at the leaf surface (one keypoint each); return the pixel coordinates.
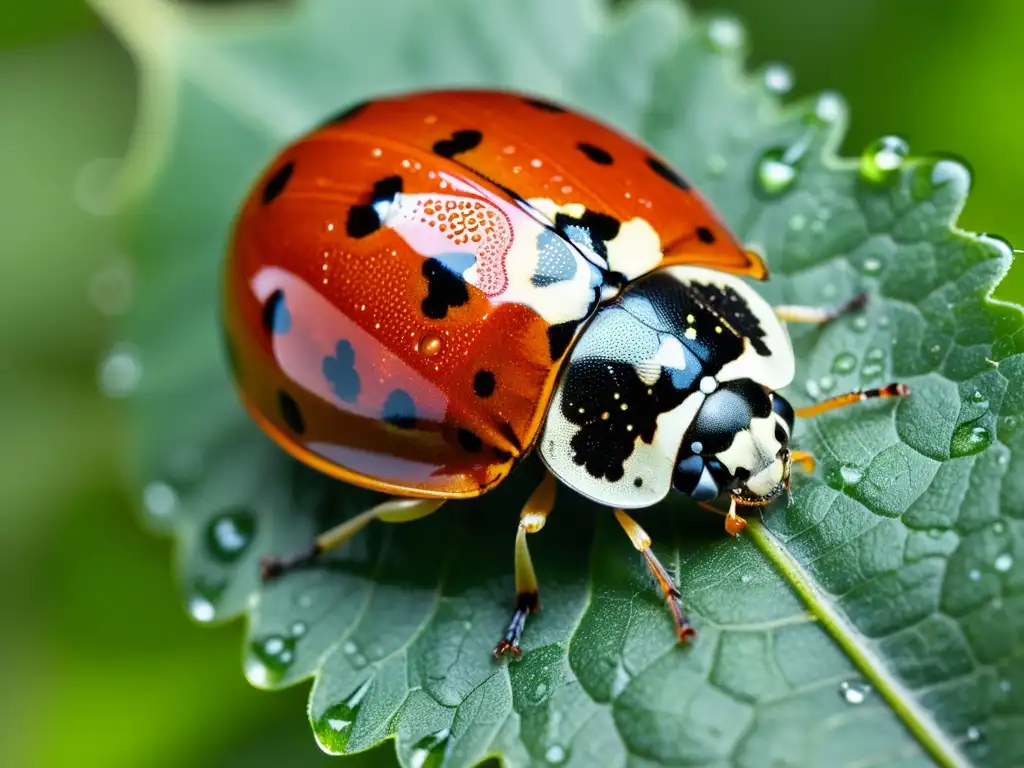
(876, 620)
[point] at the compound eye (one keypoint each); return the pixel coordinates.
(693, 478)
(783, 409)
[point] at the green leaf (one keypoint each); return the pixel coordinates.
(875, 620)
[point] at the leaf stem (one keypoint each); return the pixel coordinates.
(851, 640)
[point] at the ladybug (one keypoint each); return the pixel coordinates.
(429, 286)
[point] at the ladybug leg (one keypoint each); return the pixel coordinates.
(642, 542)
(840, 401)
(391, 511)
(800, 314)
(531, 519)
(734, 524)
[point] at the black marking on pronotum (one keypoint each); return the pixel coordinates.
(365, 219)
(461, 141)
(483, 383)
(444, 290)
(591, 231)
(667, 173)
(400, 409)
(596, 154)
(275, 315)
(544, 105)
(559, 337)
(469, 441)
(275, 184)
(289, 410)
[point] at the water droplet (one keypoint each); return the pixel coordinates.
(269, 659)
(429, 751)
(854, 693)
(776, 171)
(745, 578)
(859, 324)
(1003, 563)
(797, 222)
(969, 439)
(871, 371)
(298, 629)
(430, 345)
(304, 600)
(828, 108)
(812, 388)
(883, 321)
(875, 354)
(974, 574)
(778, 78)
(159, 499)
(997, 242)
(725, 34)
(1010, 423)
(358, 661)
(203, 597)
(96, 186)
(120, 371)
(229, 534)
(933, 174)
(1004, 686)
(826, 383)
(349, 647)
(882, 159)
(850, 475)
(936, 533)
(871, 266)
(717, 164)
(112, 288)
(334, 726)
(973, 734)
(844, 362)
(556, 755)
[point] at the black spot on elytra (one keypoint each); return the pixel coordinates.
(276, 184)
(705, 235)
(559, 337)
(461, 141)
(595, 154)
(470, 441)
(346, 114)
(667, 173)
(365, 219)
(444, 290)
(290, 412)
(400, 410)
(591, 230)
(340, 372)
(276, 317)
(544, 105)
(483, 383)
(637, 482)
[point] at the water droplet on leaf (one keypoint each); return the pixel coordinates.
(778, 78)
(797, 222)
(973, 734)
(298, 629)
(717, 164)
(854, 693)
(974, 574)
(269, 659)
(112, 288)
(850, 475)
(997, 242)
(871, 266)
(969, 439)
(335, 724)
(776, 171)
(1003, 563)
(159, 499)
(882, 159)
(933, 174)
(203, 597)
(828, 108)
(120, 371)
(556, 755)
(429, 751)
(228, 535)
(844, 362)
(725, 34)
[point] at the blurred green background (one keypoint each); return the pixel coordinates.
(100, 665)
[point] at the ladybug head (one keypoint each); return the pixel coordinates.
(737, 443)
